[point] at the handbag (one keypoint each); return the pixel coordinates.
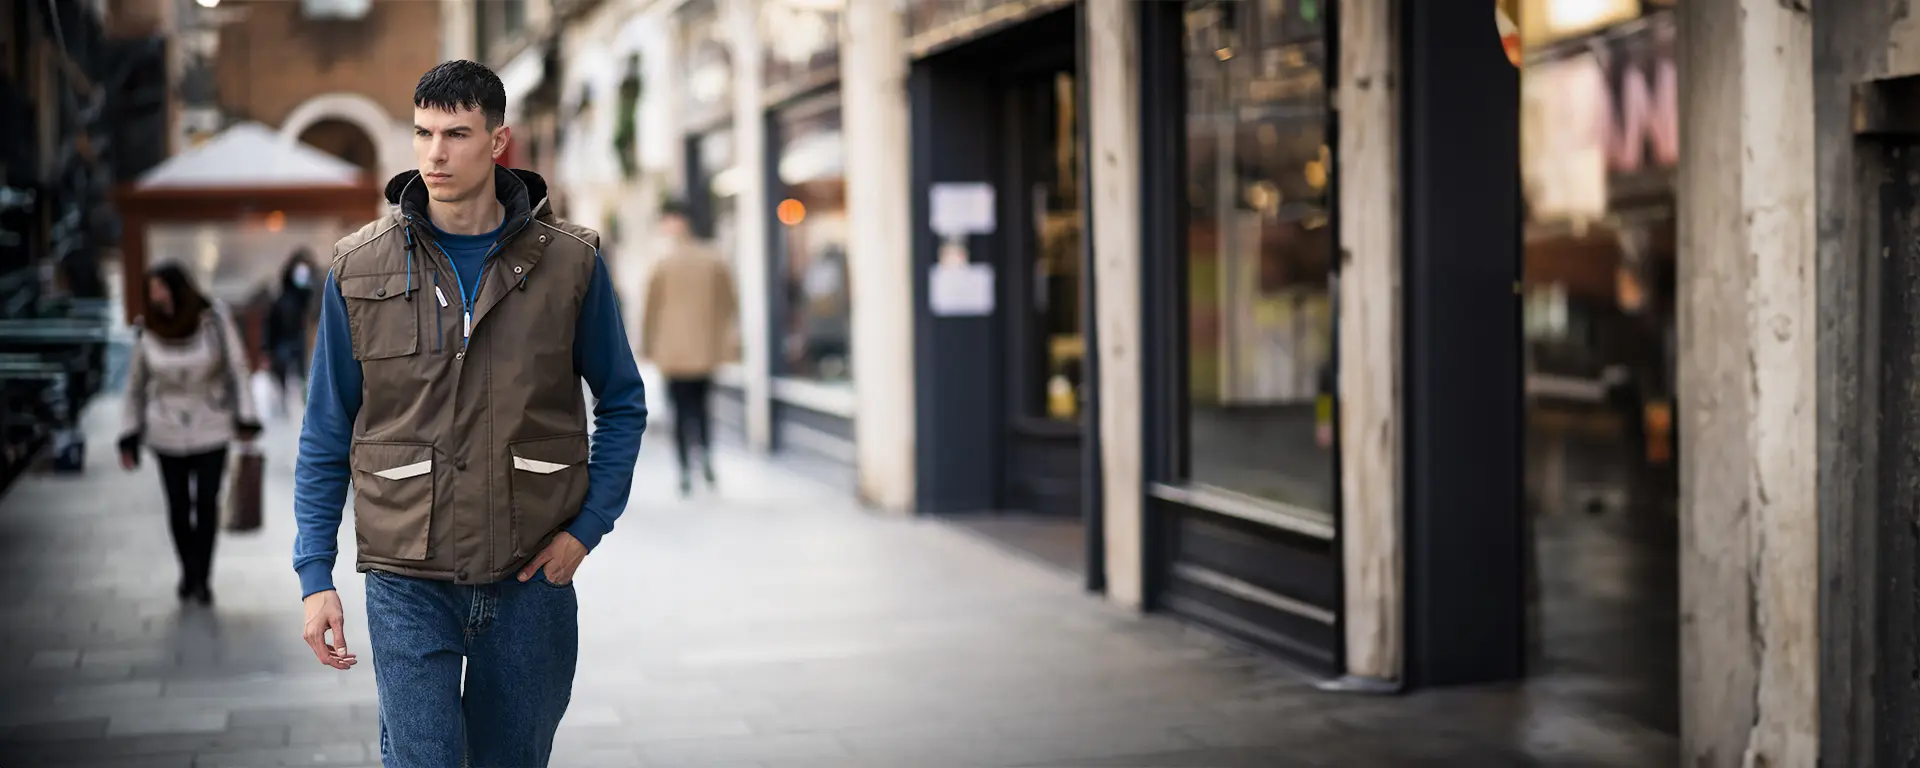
(247, 468)
(243, 498)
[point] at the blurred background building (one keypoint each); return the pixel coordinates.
(1361, 330)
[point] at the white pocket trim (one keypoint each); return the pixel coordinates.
(415, 469)
(536, 466)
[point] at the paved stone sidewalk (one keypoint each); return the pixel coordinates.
(770, 624)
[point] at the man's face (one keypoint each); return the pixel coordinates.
(672, 225)
(455, 151)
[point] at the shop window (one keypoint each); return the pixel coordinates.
(814, 325)
(1260, 332)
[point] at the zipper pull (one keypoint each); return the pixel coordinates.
(441, 296)
(467, 332)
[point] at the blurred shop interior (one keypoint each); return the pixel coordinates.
(1599, 150)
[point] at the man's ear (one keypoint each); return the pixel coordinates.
(501, 138)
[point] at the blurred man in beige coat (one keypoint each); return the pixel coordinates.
(689, 330)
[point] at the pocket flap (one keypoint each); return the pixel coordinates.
(374, 287)
(393, 461)
(547, 455)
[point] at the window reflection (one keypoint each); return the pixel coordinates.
(810, 209)
(1260, 320)
(1056, 263)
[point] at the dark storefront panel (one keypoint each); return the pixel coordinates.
(1001, 398)
(819, 444)
(1239, 245)
(729, 413)
(1228, 576)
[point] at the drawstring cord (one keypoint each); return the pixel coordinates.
(409, 230)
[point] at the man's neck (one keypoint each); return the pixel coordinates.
(476, 215)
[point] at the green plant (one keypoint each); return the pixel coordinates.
(626, 130)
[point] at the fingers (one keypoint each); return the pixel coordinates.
(333, 654)
(338, 624)
(545, 556)
(341, 659)
(313, 636)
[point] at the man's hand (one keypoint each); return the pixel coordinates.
(561, 557)
(323, 615)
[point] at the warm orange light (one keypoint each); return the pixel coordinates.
(1509, 35)
(276, 221)
(791, 212)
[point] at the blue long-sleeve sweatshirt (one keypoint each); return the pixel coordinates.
(601, 356)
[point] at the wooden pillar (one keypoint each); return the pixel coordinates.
(1368, 155)
(1113, 106)
(1749, 645)
(873, 88)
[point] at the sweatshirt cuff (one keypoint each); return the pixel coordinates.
(588, 530)
(315, 576)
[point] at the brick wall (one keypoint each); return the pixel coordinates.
(275, 59)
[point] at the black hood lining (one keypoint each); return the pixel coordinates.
(519, 190)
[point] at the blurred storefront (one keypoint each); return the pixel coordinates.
(1240, 439)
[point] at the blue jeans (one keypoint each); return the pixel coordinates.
(520, 642)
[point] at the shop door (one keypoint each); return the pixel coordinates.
(1043, 289)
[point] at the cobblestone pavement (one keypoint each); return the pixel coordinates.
(769, 624)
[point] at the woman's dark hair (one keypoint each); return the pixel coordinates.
(188, 302)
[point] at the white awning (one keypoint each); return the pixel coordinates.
(251, 155)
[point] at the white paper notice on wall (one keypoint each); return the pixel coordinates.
(962, 208)
(961, 290)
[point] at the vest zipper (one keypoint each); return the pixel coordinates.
(486, 268)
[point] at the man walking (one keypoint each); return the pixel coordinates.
(688, 331)
(454, 333)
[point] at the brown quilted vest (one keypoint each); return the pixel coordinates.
(467, 456)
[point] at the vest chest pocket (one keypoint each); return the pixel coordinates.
(393, 498)
(548, 484)
(383, 323)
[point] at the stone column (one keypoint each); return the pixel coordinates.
(1749, 535)
(1113, 113)
(456, 30)
(1368, 155)
(750, 149)
(873, 94)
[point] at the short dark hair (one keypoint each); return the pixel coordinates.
(452, 86)
(673, 206)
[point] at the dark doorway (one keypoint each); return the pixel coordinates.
(343, 140)
(1004, 396)
(1043, 285)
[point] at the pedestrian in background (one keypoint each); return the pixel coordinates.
(187, 400)
(689, 329)
(285, 336)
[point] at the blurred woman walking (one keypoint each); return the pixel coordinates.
(187, 399)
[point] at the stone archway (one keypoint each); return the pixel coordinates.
(346, 141)
(388, 136)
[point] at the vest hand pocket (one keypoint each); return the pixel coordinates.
(548, 484)
(393, 501)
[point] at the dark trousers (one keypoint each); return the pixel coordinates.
(689, 398)
(193, 509)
